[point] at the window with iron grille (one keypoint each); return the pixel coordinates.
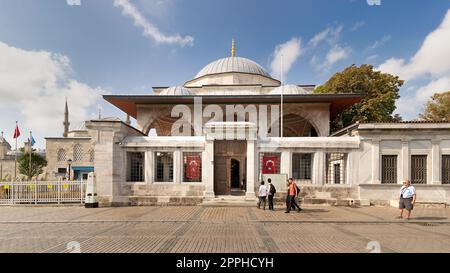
(389, 169)
(192, 167)
(446, 169)
(135, 167)
(91, 155)
(301, 166)
(336, 163)
(419, 169)
(61, 155)
(269, 163)
(163, 167)
(77, 153)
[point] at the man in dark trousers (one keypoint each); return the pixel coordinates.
(271, 193)
(292, 193)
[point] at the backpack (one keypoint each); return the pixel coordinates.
(273, 190)
(298, 190)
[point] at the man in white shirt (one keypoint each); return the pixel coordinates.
(407, 198)
(262, 193)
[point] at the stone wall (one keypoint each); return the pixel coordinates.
(53, 145)
(7, 169)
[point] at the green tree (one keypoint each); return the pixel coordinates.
(37, 164)
(437, 108)
(381, 89)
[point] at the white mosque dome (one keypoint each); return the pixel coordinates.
(176, 91)
(290, 90)
(232, 64)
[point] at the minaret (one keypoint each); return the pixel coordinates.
(66, 122)
(128, 120)
(233, 48)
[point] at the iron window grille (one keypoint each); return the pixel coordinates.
(389, 169)
(164, 167)
(446, 169)
(61, 155)
(336, 166)
(301, 166)
(136, 167)
(419, 169)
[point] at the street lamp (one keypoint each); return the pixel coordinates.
(69, 161)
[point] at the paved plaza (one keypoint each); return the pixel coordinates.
(221, 229)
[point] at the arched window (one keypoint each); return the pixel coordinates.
(91, 155)
(77, 153)
(61, 155)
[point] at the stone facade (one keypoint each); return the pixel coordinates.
(77, 146)
(345, 168)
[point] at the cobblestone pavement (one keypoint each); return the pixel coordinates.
(222, 229)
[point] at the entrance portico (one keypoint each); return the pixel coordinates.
(228, 142)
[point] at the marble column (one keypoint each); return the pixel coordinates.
(286, 163)
(251, 170)
(435, 162)
(177, 167)
(404, 161)
(149, 169)
(319, 168)
(376, 161)
(208, 168)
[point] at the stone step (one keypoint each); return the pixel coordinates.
(322, 195)
(169, 193)
(165, 200)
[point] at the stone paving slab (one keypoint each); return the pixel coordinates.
(222, 229)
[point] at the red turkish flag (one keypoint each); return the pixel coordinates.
(270, 164)
(16, 131)
(193, 163)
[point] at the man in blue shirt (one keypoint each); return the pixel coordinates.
(407, 198)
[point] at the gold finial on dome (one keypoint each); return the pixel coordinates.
(233, 48)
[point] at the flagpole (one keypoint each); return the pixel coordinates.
(15, 157)
(31, 151)
(282, 89)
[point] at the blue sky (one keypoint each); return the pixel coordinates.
(52, 50)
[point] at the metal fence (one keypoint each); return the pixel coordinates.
(42, 192)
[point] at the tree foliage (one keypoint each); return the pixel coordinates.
(437, 108)
(381, 89)
(37, 164)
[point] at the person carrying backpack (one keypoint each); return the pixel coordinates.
(271, 193)
(293, 191)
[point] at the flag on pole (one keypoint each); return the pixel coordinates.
(32, 141)
(16, 131)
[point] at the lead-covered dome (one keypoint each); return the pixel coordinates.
(176, 91)
(290, 90)
(232, 64)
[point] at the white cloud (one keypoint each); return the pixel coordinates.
(329, 34)
(430, 63)
(410, 106)
(372, 57)
(379, 43)
(357, 26)
(150, 30)
(334, 55)
(73, 2)
(33, 87)
(290, 51)
(430, 59)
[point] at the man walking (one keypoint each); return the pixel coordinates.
(407, 198)
(292, 193)
(262, 193)
(270, 193)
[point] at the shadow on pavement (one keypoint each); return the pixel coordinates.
(428, 218)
